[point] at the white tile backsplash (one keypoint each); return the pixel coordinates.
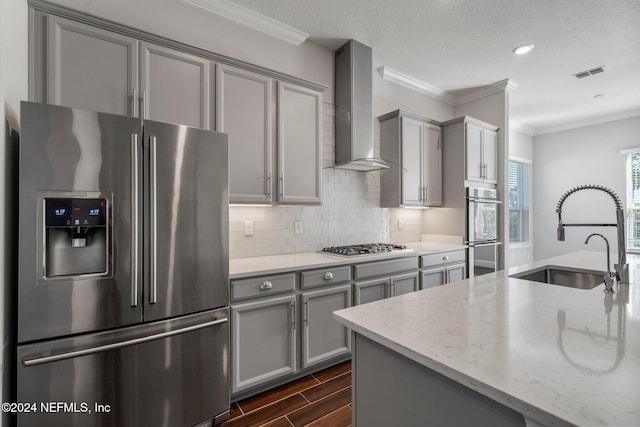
(350, 212)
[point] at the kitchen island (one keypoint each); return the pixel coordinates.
(496, 350)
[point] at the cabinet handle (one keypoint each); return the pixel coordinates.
(281, 185)
(269, 185)
(306, 313)
(448, 276)
(426, 199)
(292, 307)
(134, 102)
(392, 289)
(328, 275)
(445, 258)
(144, 104)
(266, 285)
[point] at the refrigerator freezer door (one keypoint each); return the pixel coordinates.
(169, 373)
(70, 155)
(186, 220)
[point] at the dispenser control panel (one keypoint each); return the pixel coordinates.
(75, 212)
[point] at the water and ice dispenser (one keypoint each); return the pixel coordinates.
(76, 236)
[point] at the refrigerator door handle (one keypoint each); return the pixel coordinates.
(71, 354)
(134, 220)
(153, 293)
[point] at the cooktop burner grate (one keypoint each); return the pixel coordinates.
(364, 249)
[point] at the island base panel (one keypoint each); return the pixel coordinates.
(390, 389)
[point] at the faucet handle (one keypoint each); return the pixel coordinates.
(609, 279)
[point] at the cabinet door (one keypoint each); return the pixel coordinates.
(456, 273)
(371, 290)
(404, 284)
(323, 337)
(243, 110)
(263, 341)
(490, 155)
(299, 145)
(473, 152)
(91, 68)
(175, 86)
(432, 278)
(432, 164)
(412, 191)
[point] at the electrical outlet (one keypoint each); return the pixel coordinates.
(248, 228)
(400, 223)
(297, 227)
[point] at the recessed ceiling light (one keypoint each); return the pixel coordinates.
(522, 49)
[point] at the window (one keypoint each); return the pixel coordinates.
(518, 182)
(633, 201)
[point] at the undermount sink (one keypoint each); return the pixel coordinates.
(563, 276)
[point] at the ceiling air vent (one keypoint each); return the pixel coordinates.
(591, 72)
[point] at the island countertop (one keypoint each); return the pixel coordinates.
(557, 355)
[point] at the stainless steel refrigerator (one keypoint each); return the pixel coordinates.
(123, 271)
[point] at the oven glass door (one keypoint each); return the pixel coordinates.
(483, 258)
(483, 221)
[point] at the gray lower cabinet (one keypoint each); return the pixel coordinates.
(263, 341)
(385, 279)
(323, 338)
(282, 325)
(442, 268)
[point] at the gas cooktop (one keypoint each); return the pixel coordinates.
(366, 249)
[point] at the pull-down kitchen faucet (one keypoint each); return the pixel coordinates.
(622, 268)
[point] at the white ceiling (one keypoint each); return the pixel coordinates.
(456, 45)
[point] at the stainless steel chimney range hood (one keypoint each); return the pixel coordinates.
(354, 112)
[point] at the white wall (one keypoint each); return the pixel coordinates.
(562, 160)
(521, 147)
(13, 89)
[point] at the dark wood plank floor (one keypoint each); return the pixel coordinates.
(322, 399)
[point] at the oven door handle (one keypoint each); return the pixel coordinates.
(477, 200)
(477, 245)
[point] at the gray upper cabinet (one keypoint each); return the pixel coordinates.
(89, 68)
(480, 144)
(243, 110)
(175, 86)
(414, 145)
(101, 70)
(299, 145)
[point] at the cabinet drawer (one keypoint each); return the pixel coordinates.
(372, 269)
(262, 286)
(442, 258)
(325, 276)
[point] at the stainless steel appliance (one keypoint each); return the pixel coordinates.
(482, 230)
(123, 271)
(366, 249)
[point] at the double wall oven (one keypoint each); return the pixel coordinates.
(482, 230)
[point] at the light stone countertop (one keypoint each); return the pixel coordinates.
(549, 352)
(256, 266)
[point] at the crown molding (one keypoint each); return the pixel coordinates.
(519, 127)
(251, 19)
(595, 121)
(416, 85)
(442, 95)
(482, 91)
